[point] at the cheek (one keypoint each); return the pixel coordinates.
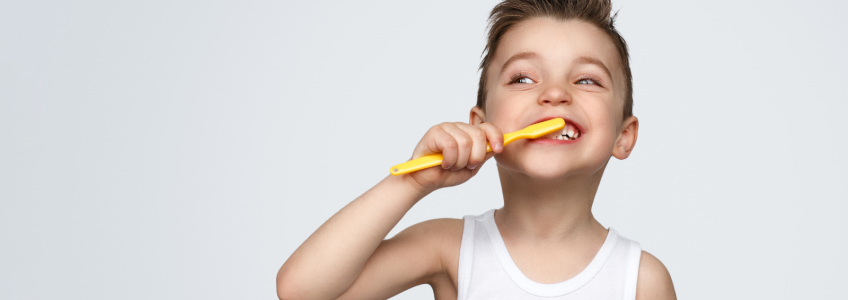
(506, 115)
(604, 129)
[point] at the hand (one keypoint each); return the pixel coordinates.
(464, 149)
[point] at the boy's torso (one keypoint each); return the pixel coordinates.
(543, 262)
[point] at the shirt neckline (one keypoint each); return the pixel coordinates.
(546, 289)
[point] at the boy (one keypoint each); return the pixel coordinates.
(545, 59)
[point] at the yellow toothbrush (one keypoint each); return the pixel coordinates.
(530, 132)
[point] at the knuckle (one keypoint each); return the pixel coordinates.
(496, 130)
(450, 144)
(491, 129)
(497, 135)
(478, 134)
(463, 141)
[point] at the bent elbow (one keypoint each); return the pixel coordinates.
(287, 291)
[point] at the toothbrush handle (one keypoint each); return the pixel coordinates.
(432, 160)
(421, 163)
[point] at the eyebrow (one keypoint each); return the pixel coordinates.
(585, 60)
(582, 60)
(519, 56)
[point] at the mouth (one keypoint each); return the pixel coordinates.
(571, 131)
(568, 133)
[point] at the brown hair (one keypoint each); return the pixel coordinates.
(596, 12)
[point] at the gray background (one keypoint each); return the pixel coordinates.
(184, 149)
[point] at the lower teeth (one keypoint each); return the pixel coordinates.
(561, 137)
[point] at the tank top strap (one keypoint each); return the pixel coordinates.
(466, 256)
(634, 256)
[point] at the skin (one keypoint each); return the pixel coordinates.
(546, 222)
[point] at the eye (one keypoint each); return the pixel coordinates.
(524, 80)
(588, 80)
(521, 78)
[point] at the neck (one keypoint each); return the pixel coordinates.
(549, 209)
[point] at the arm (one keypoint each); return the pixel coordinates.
(421, 254)
(654, 281)
(328, 262)
(350, 244)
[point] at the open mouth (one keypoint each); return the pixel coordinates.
(568, 133)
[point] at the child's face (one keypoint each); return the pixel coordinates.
(543, 69)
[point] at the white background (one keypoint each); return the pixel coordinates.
(184, 149)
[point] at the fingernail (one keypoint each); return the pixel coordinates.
(472, 167)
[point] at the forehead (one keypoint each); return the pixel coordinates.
(559, 43)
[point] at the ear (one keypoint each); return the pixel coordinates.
(627, 138)
(477, 116)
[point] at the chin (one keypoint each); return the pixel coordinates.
(540, 167)
(549, 170)
(545, 167)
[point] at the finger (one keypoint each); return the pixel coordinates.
(437, 140)
(446, 144)
(494, 135)
(463, 145)
(478, 147)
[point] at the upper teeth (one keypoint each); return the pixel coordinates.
(569, 132)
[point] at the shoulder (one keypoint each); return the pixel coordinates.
(441, 239)
(444, 226)
(654, 280)
(436, 231)
(410, 258)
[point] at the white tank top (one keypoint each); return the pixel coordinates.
(486, 271)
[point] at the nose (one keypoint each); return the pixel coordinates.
(554, 95)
